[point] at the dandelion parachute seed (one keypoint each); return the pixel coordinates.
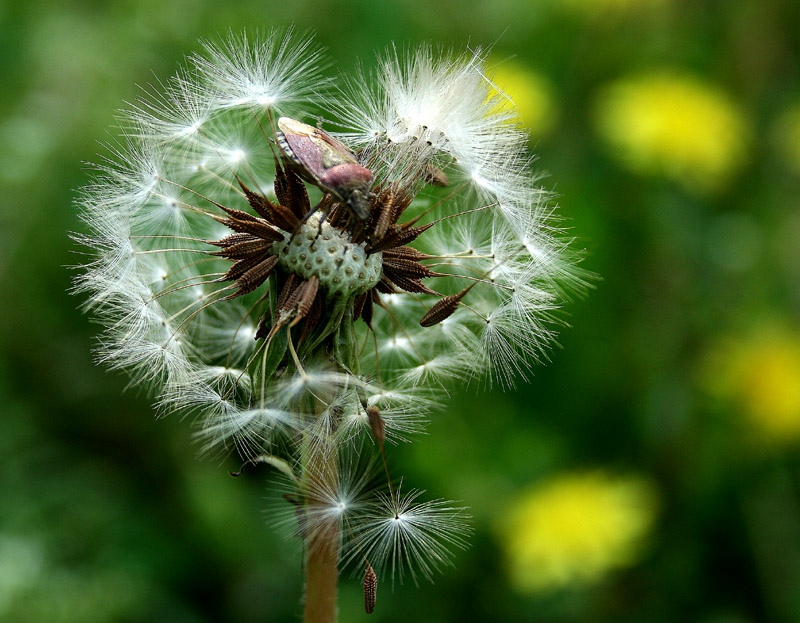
(304, 291)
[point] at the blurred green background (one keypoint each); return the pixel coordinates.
(650, 472)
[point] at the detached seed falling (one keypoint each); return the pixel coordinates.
(370, 589)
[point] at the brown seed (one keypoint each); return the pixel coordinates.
(338, 215)
(290, 304)
(231, 240)
(259, 203)
(407, 253)
(383, 219)
(241, 250)
(279, 185)
(370, 589)
(366, 313)
(307, 294)
(239, 215)
(241, 267)
(262, 229)
(312, 318)
(234, 224)
(358, 305)
(442, 309)
(385, 286)
(287, 289)
(291, 192)
(406, 267)
(257, 275)
(406, 283)
(401, 201)
(285, 218)
(377, 424)
(399, 236)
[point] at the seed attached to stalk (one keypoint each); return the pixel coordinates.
(370, 589)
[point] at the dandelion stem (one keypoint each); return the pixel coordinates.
(321, 473)
(322, 578)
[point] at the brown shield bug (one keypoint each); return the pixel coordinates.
(323, 161)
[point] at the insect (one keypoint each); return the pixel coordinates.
(323, 161)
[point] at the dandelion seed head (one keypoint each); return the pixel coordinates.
(311, 296)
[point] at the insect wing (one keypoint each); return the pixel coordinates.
(325, 162)
(311, 148)
(333, 146)
(300, 147)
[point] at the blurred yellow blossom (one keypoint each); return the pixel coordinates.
(673, 125)
(530, 92)
(759, 376)
(787, 136)
(574, 528)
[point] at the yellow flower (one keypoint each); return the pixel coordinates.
(787, 136)
(673, 125)
(530, 92)
(574, 528)
(760, 377)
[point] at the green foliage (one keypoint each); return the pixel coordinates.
(107, 515)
